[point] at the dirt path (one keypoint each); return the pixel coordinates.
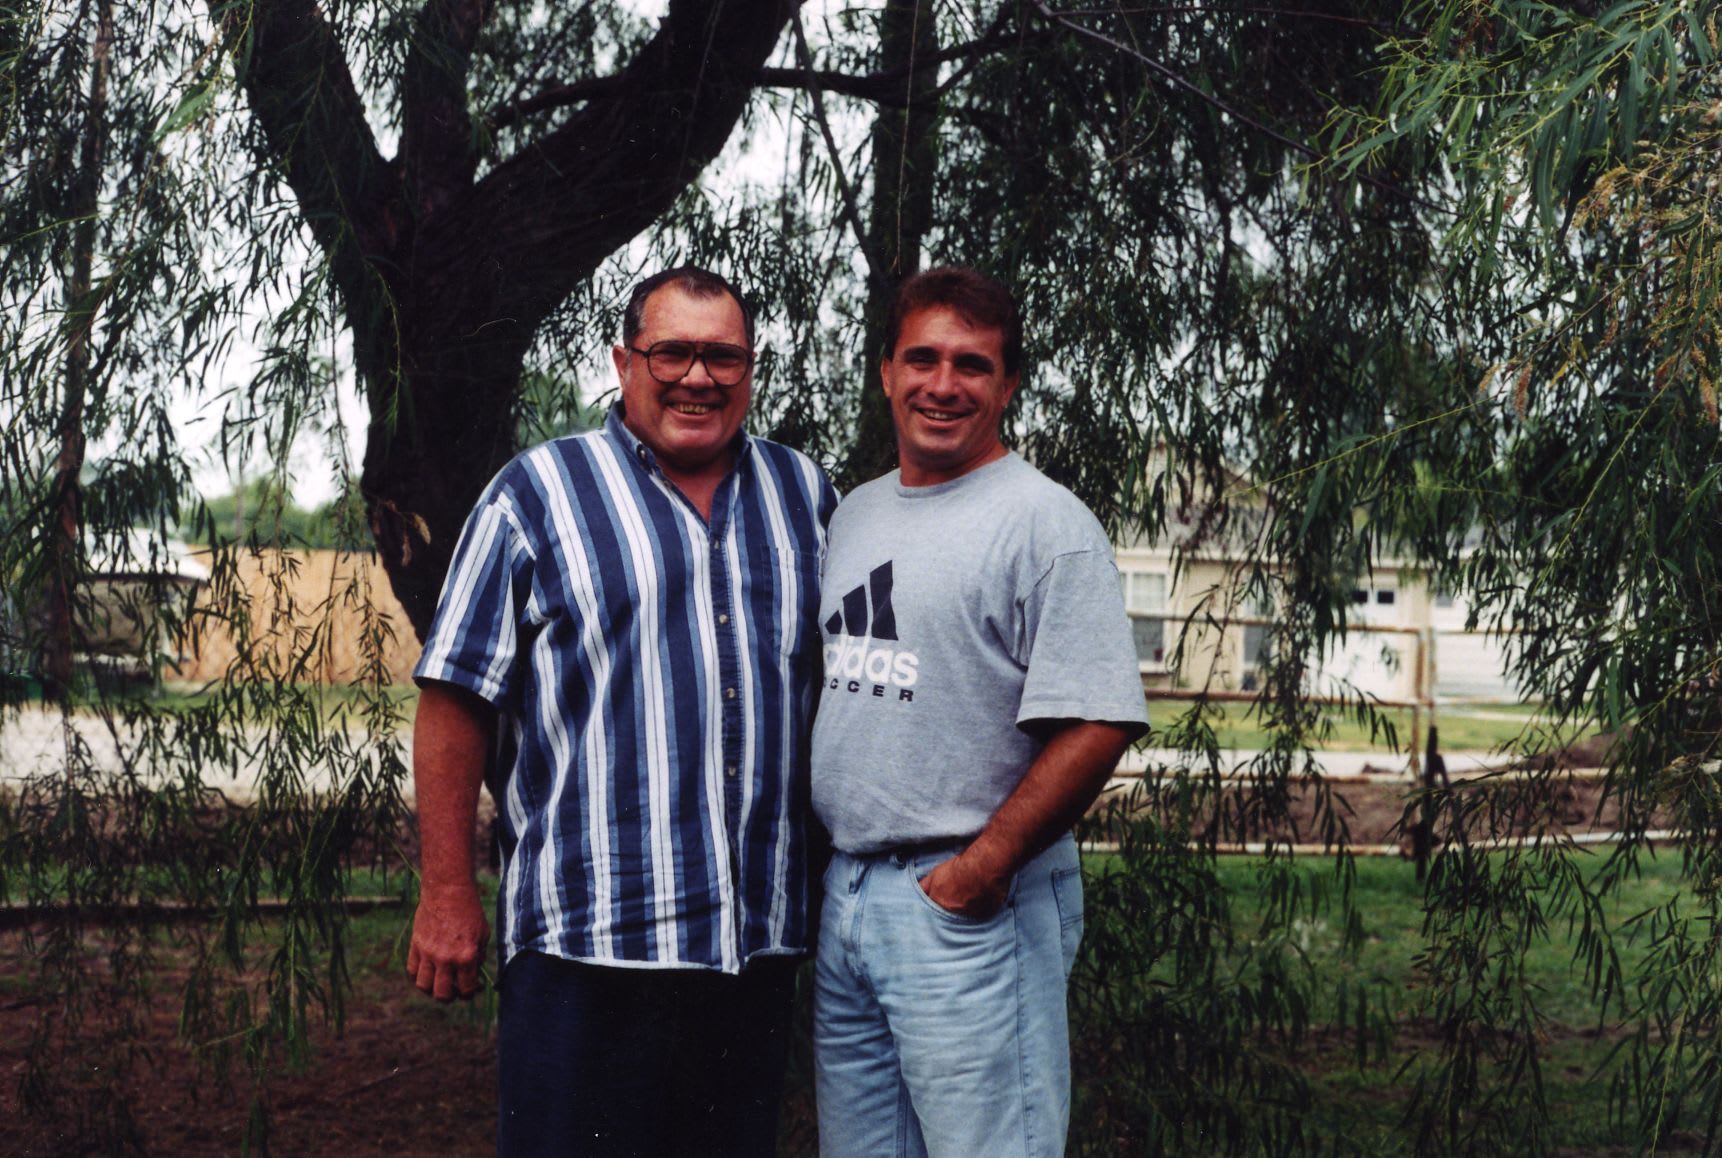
(405, 1077)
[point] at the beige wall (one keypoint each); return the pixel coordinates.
(1205, 595)
(300, 616)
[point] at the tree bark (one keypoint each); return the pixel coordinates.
(65, 527)
(905, 156)
(445, 278)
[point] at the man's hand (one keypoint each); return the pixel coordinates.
(449, 936)
(965, 886)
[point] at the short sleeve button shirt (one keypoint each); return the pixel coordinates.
(654, 678)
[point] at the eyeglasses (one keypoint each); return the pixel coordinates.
(669, 362)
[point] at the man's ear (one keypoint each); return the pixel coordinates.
(619, 355)
(885, 374)
(1010, 385)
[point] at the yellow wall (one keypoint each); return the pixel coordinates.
(300, 616)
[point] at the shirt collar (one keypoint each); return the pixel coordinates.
(617, 431)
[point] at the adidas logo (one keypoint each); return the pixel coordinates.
(866, 617)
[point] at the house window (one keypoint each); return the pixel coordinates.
(1144, 591)
(1150, 636)
(1367, 600)
(1255, 645)
(1145, 600)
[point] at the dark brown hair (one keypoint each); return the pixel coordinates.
(975, 297)
(691, 280)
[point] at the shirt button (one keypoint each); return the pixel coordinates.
(723, 619)
(729, 693)
(643, 455)
(730, 771)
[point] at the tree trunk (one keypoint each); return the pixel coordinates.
(904, 162)
(65, 492)
(444, 276)
(432, 447)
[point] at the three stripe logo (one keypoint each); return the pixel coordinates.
(867, 611)
(864, 655)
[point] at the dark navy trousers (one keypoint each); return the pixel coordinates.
(602, 1061)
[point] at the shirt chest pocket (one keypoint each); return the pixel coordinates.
(782, 591)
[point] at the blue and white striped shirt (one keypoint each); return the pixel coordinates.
(654, 678)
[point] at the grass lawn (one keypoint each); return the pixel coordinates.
(1469, 727)
(1359, 1086)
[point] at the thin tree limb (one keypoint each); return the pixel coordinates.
(1242, 10)
(878, 282)
(65, 529)
(1175, 79)
(438, 147)
(1178, 81)
(302, 95)
(879, 87)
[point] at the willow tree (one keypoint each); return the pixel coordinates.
(1575, 149)
(450, 195)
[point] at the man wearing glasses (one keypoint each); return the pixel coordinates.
(980, 687)
(626, 641)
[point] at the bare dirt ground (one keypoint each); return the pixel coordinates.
(403, 1077)
(1379, 816)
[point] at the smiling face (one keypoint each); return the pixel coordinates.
(948, 389)
(690, 425)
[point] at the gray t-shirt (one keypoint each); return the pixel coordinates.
(953, 615)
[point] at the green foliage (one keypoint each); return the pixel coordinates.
(263, 512)
(552, 406)
(1434, 281)
(1369, 1004)
(1181, 1023)
(1574, 147)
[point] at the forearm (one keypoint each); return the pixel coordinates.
(1057, 789)
(452, 738)
(451, 742)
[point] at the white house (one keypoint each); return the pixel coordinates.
(1195, 625)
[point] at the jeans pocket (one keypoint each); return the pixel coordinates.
(1067, 893)
(920, 868)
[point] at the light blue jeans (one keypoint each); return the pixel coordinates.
(939, 1035)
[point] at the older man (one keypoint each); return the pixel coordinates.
(626, 642)
(980, 687)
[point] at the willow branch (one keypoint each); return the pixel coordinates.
(851, 209)
(1176, 80)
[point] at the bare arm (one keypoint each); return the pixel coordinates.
(1058, 788)
(452, 738)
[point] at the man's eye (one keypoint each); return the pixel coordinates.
(725, 358)
(974, 366)
(672, 351)
(921, 361)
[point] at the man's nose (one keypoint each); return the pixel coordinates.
(698, 374)
(943, 380)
